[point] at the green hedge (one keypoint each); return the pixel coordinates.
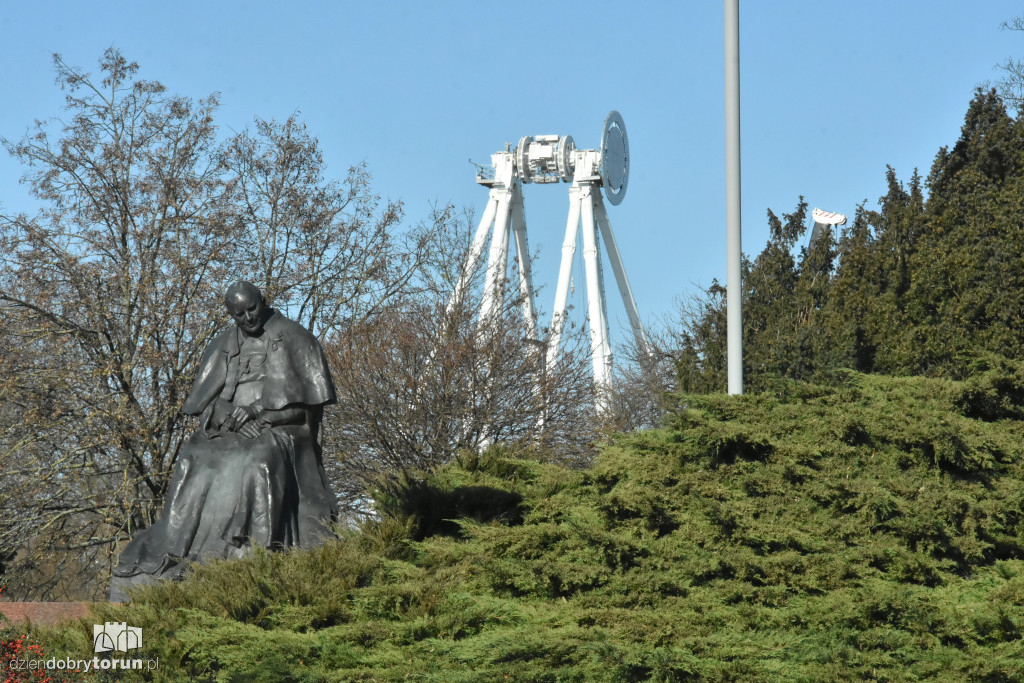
(866, 530)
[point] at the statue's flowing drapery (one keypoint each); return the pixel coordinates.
(229, 491)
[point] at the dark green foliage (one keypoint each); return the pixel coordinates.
(921, 286)
(994, 390)
(701, 362)
(430, 510)
(870, 529)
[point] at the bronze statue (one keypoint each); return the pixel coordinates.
(252, 474)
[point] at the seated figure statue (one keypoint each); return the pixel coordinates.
(252, 474)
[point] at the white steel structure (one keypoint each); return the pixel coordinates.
(550, 159)
(822, 221)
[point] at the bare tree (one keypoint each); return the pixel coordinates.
(677, 354)
(323, 251)
(643, 379)
(1011, 85)
(110, 293)
(426, 378)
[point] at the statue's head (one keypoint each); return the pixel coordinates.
(246, 305)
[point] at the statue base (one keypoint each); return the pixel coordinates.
(117, 589)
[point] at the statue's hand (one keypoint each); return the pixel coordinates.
(250, 430)
(241, 416)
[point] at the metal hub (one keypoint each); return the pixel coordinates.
(546, 158)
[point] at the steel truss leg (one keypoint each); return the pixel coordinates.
(599, 347)
(559, 313)
(620, 275)
(523, 259)
(497, 263)
(475, 250)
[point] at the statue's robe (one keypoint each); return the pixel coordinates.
(228, 491)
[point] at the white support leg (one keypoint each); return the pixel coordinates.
(497, 263)
(494, 284)
(620, 275)
(599, 346)
(523, 258)
(475, 250)
(559, 312)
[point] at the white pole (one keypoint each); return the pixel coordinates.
(733, 247)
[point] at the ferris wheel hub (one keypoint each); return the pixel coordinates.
(554, 158)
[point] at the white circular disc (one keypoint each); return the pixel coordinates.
(522, 162)
(563, 157)
(614, 168)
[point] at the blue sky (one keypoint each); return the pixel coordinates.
(831, 93)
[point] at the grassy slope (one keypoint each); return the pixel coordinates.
(868, 531)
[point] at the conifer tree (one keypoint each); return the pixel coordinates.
(920, 286)
(701, 357)
(815, 344)
(847, 317)
(770, 315)
(967, 293)
(897, 227)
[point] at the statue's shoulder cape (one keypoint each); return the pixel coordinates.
(296, 368)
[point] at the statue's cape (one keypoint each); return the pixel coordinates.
(296, 368)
